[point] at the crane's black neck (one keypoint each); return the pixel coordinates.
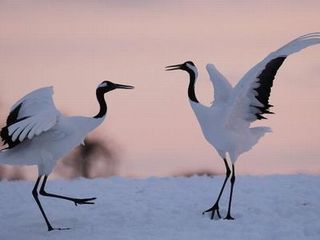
(191, 88)
(102, 102)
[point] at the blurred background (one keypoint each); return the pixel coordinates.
(151, 130)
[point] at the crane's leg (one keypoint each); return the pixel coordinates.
(35, 195)
(232, 180)
(215, 207)
(75, 200)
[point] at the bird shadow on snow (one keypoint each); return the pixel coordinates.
(34, 227)
(223, 213)
(38, 227)
(37, 230)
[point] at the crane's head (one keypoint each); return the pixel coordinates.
(107, 86)
(186, 66)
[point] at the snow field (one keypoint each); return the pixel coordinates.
(269, 207)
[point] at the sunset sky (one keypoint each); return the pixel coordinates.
(74, 45)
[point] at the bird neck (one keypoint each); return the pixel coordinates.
(191, 88)
(102, 103)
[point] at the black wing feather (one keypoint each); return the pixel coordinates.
(266, 78)
(11, 119)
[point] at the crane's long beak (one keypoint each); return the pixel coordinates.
(123, 86)
(173, 67)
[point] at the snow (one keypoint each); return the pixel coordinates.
(268, 207)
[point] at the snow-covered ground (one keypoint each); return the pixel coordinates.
(270, 207)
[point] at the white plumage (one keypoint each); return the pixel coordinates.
(45, 134)
(38, 134)
(39, 112)
(226, 123)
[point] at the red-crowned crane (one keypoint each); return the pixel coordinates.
(36, 133)
(226, 124)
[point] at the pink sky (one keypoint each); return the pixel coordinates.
(74, 46)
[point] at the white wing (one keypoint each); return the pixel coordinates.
(250, 96)
(33, 114)
(221, 86)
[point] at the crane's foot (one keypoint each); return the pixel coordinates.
(59, 229)
(83, 200)
(228, 217)
(214, 209)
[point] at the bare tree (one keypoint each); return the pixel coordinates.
(12, 173)
(199, 172)
(96, 158)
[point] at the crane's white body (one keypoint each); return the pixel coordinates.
(234, 141)
(46, 135)
(226, 123)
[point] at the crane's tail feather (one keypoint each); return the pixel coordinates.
(257, 133)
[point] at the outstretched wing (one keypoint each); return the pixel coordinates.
(221, 86)
(250, 97)
(30, 116)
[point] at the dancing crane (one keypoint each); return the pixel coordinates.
(226, 123)
(36, 133)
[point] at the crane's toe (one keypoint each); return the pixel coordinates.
(84, 201)
(229, 217)
(59, 229)
(214, 209)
